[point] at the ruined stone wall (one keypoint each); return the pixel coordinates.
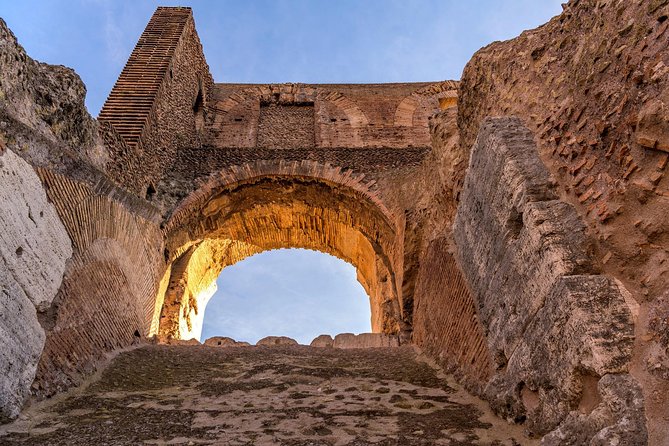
(556, 328)
(592, 85)
(159, 103)
(360, 116)
(106, 300)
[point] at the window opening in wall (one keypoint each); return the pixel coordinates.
(198, 111)
(150, 192)
(287, 292)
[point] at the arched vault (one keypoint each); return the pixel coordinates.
(253, 208)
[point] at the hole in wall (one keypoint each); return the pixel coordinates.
(500, 360)
(198, 111)
(19, 251)
(529, 397)
(590, 397)
(515, 223)
(150, 192)
(297, 293)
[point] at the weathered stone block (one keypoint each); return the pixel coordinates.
(270, 341)
(224, 341)
(553, 326)
(34, 247)
(584, 330)
(322, 341)
(514, 237)
(365, 340)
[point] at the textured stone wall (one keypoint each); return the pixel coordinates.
(592, 85)
(555, 328)
(34, 247)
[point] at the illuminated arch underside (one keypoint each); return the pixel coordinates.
(271, 213)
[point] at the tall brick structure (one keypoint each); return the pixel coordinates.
(488, 219)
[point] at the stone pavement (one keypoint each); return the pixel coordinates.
(284, 395)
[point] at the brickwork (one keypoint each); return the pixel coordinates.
(445, 323)
(152, 106)
(286, 126)
(107, 297)
(361, 116)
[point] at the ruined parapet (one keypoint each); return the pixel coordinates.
(159, 102)
(555, 327)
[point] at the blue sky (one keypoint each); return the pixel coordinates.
(295, 293)
(292, 292)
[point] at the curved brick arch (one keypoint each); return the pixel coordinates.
(270, 205)
(323, 172)
(408, 111)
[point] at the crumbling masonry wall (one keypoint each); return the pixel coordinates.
(592, 86)
(553, 325)
(539, 284)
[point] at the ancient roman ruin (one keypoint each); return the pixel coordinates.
(513, 225)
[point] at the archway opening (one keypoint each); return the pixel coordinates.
(297, 293)
(230, 219)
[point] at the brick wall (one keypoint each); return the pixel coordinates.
(286, 126)
(445, 323)
(106, 300)
(153, 104)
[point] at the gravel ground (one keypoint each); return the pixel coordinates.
(294, 396)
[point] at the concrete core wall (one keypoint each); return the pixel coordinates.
(560, 335)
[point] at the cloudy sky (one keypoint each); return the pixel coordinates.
(290, 292)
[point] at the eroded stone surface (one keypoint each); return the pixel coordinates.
(553, 326)
(618, 419)
(33, 241)
(34, 247)
(45, 100)
(289, 395)
(365, 340)
(514, 237)
(273, 341)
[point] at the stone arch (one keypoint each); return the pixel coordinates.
(415, 107)
(270, 205)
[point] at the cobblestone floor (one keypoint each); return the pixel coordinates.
(294, 396)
